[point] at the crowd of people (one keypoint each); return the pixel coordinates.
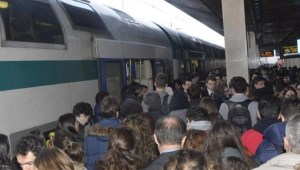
(187, 124)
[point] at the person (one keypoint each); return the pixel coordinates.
(152, 101)
(53, 158)
(65, 141)
(160, 83)
(292, 146)
(195, 140)
(197, 118)
(83, 112)
(130, 106)
(289, 92)
(186, 83)
(97, 109)
(186, 160)
(179, 105)
(27, 149)
(268, 112)
(273, 142)
(120, 153)
(211, 82)
(5, 163)
(95, 144)
(238, 87)
(209, 104)
(222, 141)
(145, 146)
(169, 135)
(193, 93)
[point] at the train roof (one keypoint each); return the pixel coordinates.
(136, 37)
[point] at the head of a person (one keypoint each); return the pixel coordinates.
(209, 104)
(179, 101)
(214, 117)
(259, 82)
(211, 83)
(177, 85)
(186, 83)
(269, 107)
(141, 128)
(238, 84)
(186, 160)
(27, 149)
(129, 107)
(290, 108)
(4, 150)
(152, 100)
(68, 122)
(221, 136)
(65, 141)
(121, 138)
(196, 114)
(289, 92)
(219, 78)
(292, 138)
(83, 111)
(100, 95)
(142, 89)
(110, 107)
(161, 80)
(194, 92)
(234, 163)
(53, 158)
(169, 130)
(195, 140)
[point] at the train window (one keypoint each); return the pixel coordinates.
(83, 17)
(31, 21)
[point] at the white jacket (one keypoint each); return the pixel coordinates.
(281, 162)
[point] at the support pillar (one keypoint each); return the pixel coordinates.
(252, 53)
(235, 39)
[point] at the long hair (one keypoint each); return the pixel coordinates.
(119, 156)
(53, 158)
(67, 122)
(209, 104)
(195, 140)
(4, 150)
(223, 135)
(145, 145)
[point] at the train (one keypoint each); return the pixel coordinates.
(56, 53)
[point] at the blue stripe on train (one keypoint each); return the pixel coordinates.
(23, 74)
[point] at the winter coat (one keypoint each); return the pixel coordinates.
(96, 143)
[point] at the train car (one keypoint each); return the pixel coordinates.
(56, 53)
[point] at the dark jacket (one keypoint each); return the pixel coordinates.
(96, 143)
(273, 144)
(159, 163)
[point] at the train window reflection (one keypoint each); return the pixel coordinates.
(31, 21)
(83, 16)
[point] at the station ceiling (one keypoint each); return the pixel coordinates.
(275, 22)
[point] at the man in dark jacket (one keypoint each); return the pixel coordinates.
(169, 136)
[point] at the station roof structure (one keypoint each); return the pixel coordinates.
(275, 22)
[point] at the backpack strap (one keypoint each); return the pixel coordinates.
(244, 103)
(165, 99)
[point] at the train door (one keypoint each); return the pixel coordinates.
(140, 71)
(112, 76)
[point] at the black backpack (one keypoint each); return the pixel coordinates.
(165, 107)
(239, 115)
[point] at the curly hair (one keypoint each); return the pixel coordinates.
(83, 108)
(145, 145)
(29, 143)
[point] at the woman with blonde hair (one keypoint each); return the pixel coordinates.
(53, 158)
